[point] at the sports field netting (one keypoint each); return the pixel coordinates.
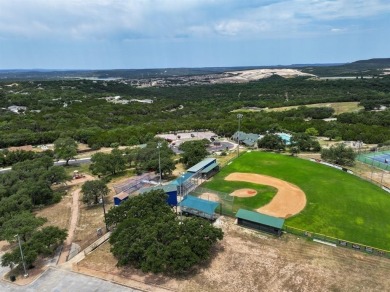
(226, 201)
(377, 159)
(136, 182)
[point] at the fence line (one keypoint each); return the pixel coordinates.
(339, 242)
(90, 239)
(381, 181)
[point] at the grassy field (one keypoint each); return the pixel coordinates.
(338, 204)
(339, 107)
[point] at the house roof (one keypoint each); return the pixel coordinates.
(201, 165)
(246, 137)
(260, 218)
(204, 206)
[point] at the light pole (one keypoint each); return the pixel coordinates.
(182, 195)
(239, 117)
(159, 145)
(21, 254)
(104, 212)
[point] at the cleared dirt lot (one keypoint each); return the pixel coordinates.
(250, 261)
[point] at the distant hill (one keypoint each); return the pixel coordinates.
(374, 63)
(358, 68)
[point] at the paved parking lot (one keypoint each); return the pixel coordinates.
(56, 280)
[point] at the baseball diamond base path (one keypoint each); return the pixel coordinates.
(288, 201)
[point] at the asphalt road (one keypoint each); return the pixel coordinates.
(62, 281)
(60, 162)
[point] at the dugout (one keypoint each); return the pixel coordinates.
(170, 190)
(210, 170)
(199, 207)
(260, 221)
(202, 165)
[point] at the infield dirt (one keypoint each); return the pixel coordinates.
(288, 201)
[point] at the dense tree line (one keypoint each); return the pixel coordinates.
(142, 159)
(8, 158)
(76, 109)
(26, 186)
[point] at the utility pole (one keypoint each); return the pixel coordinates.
(239, 117)
(159, 161)
(21, 254)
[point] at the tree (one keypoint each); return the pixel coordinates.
(332, 134)
(65, 148)
(304, 142)
(271, 142)
(146, 159)
(24, 224)
(194, 151)
(56, 174)
(49, 238)
(112, 163)
(149, 236)
(312, 131)
(93, 191)
(43, 242)
(339, 155)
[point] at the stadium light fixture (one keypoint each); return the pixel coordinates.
(239, 117)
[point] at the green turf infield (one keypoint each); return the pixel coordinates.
(339, 204)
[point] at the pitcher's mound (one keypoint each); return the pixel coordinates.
(244, 193)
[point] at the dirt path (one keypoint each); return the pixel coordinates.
(72, 226)
(288, 201)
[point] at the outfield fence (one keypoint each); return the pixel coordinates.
(380, 177)
(336, 241)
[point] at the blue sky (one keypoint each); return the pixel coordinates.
(113, 34)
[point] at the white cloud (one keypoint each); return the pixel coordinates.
(127, 19)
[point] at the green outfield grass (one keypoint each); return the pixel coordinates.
(338, 204)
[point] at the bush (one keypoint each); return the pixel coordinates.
(339, 155)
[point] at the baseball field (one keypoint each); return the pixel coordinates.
(311, 196)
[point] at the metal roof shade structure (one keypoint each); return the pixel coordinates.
(209, 168)
(204, 163)
(182, 179)
(260, 218)
(204, 206)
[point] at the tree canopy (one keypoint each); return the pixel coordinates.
(194, 151)
(150, 237)
(65, 148)
(43, 242)
(271, 142)
(339, 154)
(108, 163)
(94, 190)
